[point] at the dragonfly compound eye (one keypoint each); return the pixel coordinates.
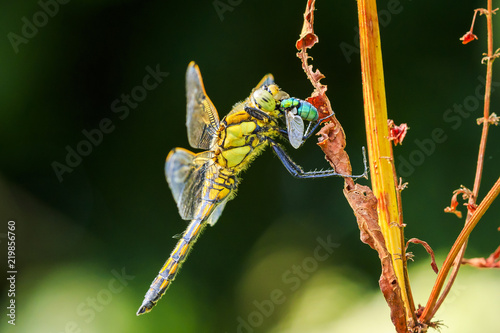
(273, 89)
(277, 93)
(264, 100)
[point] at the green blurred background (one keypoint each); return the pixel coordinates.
(113, 215)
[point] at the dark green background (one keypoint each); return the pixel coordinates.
(115, 210)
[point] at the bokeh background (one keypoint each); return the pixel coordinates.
(89, 243)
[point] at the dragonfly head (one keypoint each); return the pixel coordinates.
(267, 98)
(277, 93)
(263, 100)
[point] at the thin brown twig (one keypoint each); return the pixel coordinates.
(432, 305)
(459, 242)
(480, 157)
(486, 113)
(451, 280)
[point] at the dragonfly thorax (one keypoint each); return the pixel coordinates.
(241, 138)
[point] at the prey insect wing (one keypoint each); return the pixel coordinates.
(295, 128)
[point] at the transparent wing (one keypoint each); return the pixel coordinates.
(267, 80)
(192, 196)
(202, 119)
(186, 173)
(178, 168)
(295, 127)
(216, 213)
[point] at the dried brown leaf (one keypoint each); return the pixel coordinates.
(307, 36)
(493, 261)
(364, 205)
(428, 249)
(332, 142)
(321, 103)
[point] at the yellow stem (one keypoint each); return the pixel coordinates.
(379, 147)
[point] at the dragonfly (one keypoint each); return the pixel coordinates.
(202, 183)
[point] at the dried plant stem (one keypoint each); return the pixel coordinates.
(379, 147)
(432, 305)
(486, 112)
(462, 238)
(451, 280)
(411, 302)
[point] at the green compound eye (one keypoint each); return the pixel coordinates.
(264, 100)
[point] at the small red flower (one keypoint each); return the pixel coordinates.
(397, 133)
(466, 194)
(468, 37)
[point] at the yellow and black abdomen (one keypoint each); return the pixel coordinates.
(241, 139)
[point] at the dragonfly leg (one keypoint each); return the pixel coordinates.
(284, 134)
(256, 113)
(297, 171)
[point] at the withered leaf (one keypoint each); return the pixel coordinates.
(307, 37)
(364, 205)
